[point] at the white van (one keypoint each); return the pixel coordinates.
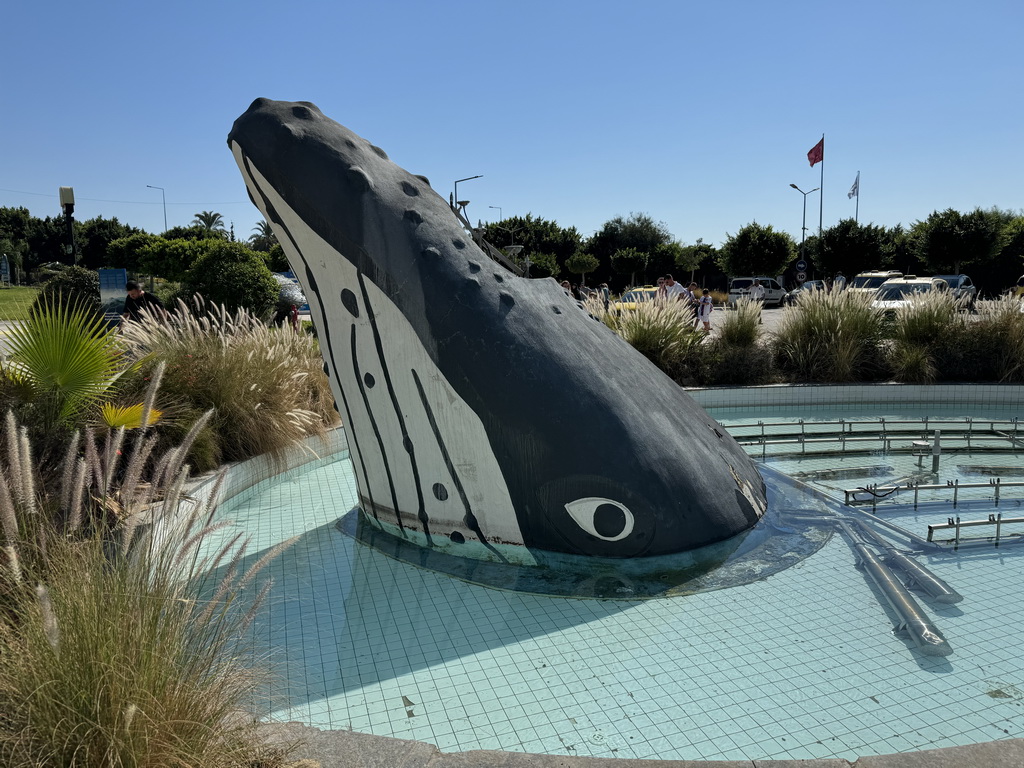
(774, 294)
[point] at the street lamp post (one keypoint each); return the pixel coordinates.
(163, 197)
(500, 216)
(463, 203)
(803, 228)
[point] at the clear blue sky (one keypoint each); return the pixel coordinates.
(698, 114)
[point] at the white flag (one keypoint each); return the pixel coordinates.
(855, 189)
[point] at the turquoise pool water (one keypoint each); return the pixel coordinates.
(802, 663)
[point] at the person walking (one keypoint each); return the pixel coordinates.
(707, 305)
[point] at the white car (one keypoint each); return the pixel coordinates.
(869, 282)
(774, 294)
(896, 292)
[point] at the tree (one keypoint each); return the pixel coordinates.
(276, 260)
(850, 247)
(93, 240)
(638, 231)
(581, 263)
(212, 223)
(756, 250)
(171, 259)
(629, 261)
(192, 232)
(127, 251)
(948, 241)
(264, 238)
(233, 275)
(537, 236)
(1009, 263)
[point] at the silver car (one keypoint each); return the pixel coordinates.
(962, 287)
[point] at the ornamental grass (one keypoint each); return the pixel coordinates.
(830, 337)
(264, 384)
(663, 331)
(114, 649)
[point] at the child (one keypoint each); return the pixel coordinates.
(707, 305)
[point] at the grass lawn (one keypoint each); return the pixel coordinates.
(15, 301)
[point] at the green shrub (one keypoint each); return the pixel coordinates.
(912, 363)
(728, 365)
(233, 275)
(71, 286)
(740, 327)
(830, 337)
(266, 386)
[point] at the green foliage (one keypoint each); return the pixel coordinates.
(629, 261)
(542, 264)
(636, 233)
(948, 241)
(93, 238)
(233, 275)
(1000, 329)
(741, 327)
(172, 258)
(581, 263)
(537, 236)
(912, 364)
(691, 257)
(830, 337)
(276, 260)
(71, 286)
(849, 247)
(265, 385)
(191, 232)
(263, 238)
(210, 222)
(756, 250)
(117, 648)
(126, 252)
(63, 360)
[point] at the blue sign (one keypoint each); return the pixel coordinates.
(801, 266)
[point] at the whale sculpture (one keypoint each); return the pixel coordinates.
(487, 414)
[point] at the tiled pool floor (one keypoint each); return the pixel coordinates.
(803, 664)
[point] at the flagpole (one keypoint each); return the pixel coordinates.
(856, 214)
(821, 186)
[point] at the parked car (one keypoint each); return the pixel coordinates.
(807, 285)
(634, 296)
(1018, 290)
(896, 292)
(774, 294)
(963, 288)
(869, 282)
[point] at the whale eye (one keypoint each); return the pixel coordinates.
(606, 519)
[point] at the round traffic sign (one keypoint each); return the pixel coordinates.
(801, 266)
(801, 276)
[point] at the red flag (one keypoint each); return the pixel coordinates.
(817, 153)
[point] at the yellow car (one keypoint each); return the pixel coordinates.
(634, 296)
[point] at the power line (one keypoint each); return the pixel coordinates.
(125, 202)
